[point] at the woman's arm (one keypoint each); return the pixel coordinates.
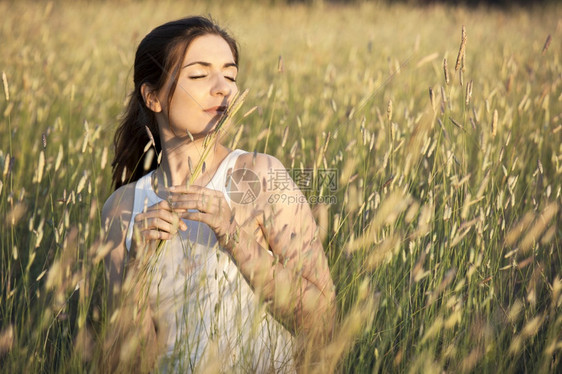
(273, 242)
(157, 223)
(294, 269)
(116, 215)
(130, 314)
(293, 278)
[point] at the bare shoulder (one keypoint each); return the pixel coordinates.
(260, 163)
(273, 177)
(267, 170)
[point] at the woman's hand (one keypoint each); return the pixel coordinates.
(275, 246)
(208, 206)
(158, 222)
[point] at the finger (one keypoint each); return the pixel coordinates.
(199, 216)
(217, 206)
(161, 224)
(162, 220)
(207, 196)
(185, 196)
(162, 208)
(203, 206)
(187, 189)
(162, 205)
(155, 235)
(157, 224)
(219, 224)
(169, 216)
(150, 214)
(193, 190)
(145, 235)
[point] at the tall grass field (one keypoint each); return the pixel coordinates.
(444, 124)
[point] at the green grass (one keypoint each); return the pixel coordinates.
(444, 243)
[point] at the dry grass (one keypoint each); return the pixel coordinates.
(444, 243)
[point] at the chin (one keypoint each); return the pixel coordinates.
(210, 126)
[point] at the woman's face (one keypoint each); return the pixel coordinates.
(206, 83)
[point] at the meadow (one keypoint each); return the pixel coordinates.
(443, 123)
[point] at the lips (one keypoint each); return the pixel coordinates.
(219, 109)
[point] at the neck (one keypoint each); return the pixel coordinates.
(180, 158)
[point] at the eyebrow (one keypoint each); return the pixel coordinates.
(227, 65)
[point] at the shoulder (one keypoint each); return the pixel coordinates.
(260, 163)
(119, 204)
(276, 184)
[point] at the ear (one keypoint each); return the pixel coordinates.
(150, 98)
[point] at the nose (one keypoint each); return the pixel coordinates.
(222, 86)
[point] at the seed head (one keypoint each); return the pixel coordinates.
(546, 44)
(431, 98)
(280, 65)
(495, 123)
(468, 93)
(445, 70)
(460, 56)
(6, 88)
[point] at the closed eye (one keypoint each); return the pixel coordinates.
(232, 79)
(197, 76)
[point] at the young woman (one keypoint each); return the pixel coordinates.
(229, 262)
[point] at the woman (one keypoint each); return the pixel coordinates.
(227, 264)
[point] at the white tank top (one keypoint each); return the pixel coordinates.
(203, 302)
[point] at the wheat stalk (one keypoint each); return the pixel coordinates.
(445, 70)
(211, 138)
(460, 56)
(546, 44)
(6, 88)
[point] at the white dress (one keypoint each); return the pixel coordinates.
(212, 316)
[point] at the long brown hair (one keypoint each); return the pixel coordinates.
(157, 60)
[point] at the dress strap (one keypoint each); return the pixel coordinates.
(220, 181)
